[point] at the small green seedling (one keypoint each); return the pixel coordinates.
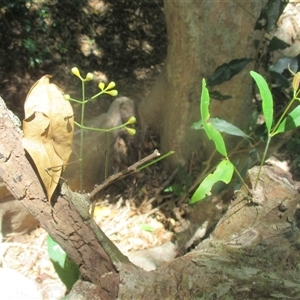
(109, 89)
(212, 126)
(225, 168)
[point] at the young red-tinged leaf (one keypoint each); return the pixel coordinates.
(223, 172)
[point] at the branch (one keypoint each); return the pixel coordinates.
(132, 169)
(76, 235)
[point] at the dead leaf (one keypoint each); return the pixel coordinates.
(48, 131)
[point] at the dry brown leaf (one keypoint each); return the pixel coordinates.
(48, 131)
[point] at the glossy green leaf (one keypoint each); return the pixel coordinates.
(211, 132)
(270, 14)
(65, 268)
(223, 172)
(267, 99)
(222, 126)
(292, 121)
(226, 71)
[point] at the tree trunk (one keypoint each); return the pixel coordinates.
(252, 254)
(202, 35)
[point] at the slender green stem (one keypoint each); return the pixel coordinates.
(263, 159)
(156, 160)
(295, 97)
(78, 101)
(240, 177)
(272, 133)
(81, 134)
(282, 116)
(107, 154)
(88, 100)
(99, 129)
(95, 96)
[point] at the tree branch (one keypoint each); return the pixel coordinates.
(133, 168)
(78, 236)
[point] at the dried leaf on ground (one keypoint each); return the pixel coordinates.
(48, 131)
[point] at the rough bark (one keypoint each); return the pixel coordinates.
(73, 229)
(202, 35)
(252, 254)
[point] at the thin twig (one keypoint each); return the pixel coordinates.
(133, 168)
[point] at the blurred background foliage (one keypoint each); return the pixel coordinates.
(122, 40)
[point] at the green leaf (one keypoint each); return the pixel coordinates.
(226, 71)
(146, 227)
(175, 188)
(280, 80)
(270, 14)
(211, 132)
(279, 67)
(65, 268)
(267, 99)
(56, 253)
(292, 121)
(223, 172)
(283, 64)
(224, 126)
(197, 125)
(277, 44)
(218, 96)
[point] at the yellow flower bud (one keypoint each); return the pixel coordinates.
(112, 92)
(131, 120)
(76, 72)
(111, 85)
(296, 81)
(101, 86)
(67, 97)
(89, 76)
(131, 131)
